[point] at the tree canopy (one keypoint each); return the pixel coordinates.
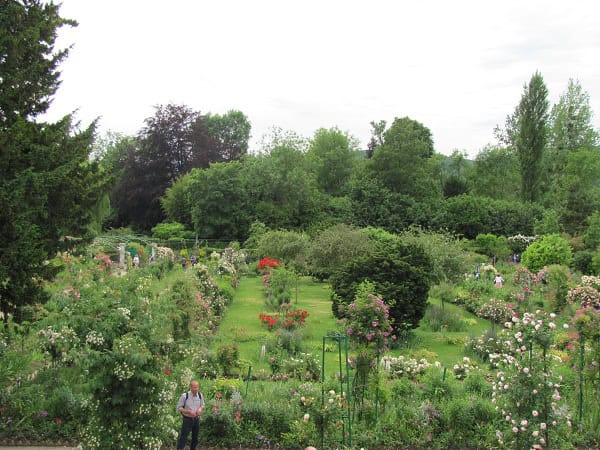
(48, 186)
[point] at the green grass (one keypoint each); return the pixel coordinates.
(446, 345)
(242, 327)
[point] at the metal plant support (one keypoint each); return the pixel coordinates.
(347, 416)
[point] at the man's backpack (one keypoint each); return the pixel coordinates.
(187, 394)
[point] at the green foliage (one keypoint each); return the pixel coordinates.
(287, 246)
(170, 231)
(373, 204)
(558, 278)
(403, 161)
(230, 133)
(468, 216)
(177, 200)
(550, 249)
(592, 233)
(491, 245)
(582, 261)
(548, 224)
(438, 319)
(400, 274)
(281, 282)
(48, 186)
(531, 135)
(219, 205)
(333, 154)
(446, 252)
(282, 190)
(496, 174)
(579, 194)
(333, 247)
(29, 65)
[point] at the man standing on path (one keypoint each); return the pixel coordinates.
(190, 406)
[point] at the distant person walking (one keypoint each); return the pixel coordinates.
(190, 406)
(498, 280)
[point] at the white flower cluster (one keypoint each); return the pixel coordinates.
(123, 372)
(400, 366)
(94, 338)
(143, 409)
(126, 312)
(464, 368)
(124, 345)
(165, 395)
(165, 253)
(186, 377)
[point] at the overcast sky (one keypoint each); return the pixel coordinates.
(456, 66)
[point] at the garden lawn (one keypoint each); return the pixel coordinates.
(449, 346)
(242, 327)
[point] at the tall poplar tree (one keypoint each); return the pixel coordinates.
(531, 135)
(47, 185)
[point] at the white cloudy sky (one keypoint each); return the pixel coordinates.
(456, 66)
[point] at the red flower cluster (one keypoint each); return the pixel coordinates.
(267, 263)
(295, 319)
(269, 320)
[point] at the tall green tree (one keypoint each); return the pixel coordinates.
(579, 193)
(571, 130)
(496, 174)
(333, 155)
(531, 135)
(218, 201)
(571, 121)
(230, 133)
(47, 184)
(403, 162)
(282, 189)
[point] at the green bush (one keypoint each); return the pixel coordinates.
(333, 247)
(400, 274)
(549, 249)
(446, 252)
(438, 319)
(582, 261)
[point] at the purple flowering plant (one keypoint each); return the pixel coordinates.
(367, 320)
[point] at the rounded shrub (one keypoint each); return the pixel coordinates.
(550, 249)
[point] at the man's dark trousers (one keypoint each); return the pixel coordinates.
(189, 424)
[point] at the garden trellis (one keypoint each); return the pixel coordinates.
(347, 417)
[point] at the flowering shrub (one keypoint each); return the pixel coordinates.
(269, 320)
(485, 345)
(295, 319)
(367, 320)
(586, 296)
(591, 281)
(462, 369)
(401, 366)
(327, 414)
(269, 263)
(232, 261)
(526, 392)
(524, 277)
(209, 290)
(496, 310)
(519, 242)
